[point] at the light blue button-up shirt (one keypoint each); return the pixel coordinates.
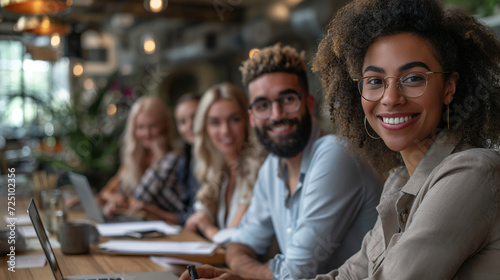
(323, 222)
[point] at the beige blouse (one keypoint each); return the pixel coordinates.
(443, 222)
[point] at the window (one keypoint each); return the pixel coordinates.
(29, 89)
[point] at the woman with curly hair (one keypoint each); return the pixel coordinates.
(410, 83)
(227, 161)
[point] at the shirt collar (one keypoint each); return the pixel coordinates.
(443, 146)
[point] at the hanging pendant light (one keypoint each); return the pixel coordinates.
(41, 26)
(35, 7)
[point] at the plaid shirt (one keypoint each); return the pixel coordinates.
(159, 185)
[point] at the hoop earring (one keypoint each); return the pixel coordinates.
(366, 129)
(448, 116)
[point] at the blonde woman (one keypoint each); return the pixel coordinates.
(227, 161)
(147, 179)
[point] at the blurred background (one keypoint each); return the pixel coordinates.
(69, 70)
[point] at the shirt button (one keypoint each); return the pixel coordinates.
(404, 216)
(288, 230)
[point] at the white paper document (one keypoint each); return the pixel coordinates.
(27, 261)
(34, 244)
(29, 232)
(169, 263)
(21, 220)
(121, 229)
(158, 247)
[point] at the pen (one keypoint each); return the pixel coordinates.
(192, 272)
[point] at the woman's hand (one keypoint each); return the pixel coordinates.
(200, 221)
(158, 148)
(114, 201)
(209, 272)
(117, 199)
(109, 209)
(194, 220)
(135, 206)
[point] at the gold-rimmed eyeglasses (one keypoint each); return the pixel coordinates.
(412, 85)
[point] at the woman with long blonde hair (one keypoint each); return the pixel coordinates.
(147, 179)
(227, 161)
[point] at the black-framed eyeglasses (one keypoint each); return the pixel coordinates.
(412, 85)
(262, 107)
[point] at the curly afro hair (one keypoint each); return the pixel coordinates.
(460, 44)
(275, 59)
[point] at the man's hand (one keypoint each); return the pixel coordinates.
(209, 272)
(244, 261)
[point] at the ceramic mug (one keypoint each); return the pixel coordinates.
(76, 236)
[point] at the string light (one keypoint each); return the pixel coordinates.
(78, 70)
(149, 45)
(88, 84)
(155, 6)
(279, 11)
(111, 109)
(55, 40)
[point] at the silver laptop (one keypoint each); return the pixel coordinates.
(54, 266)
(92, 210)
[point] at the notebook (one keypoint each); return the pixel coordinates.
(92, 210)
(54, 266)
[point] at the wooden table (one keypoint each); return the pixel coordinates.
(95, 262)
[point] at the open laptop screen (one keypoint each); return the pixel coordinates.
(44, 240)
(86, 195)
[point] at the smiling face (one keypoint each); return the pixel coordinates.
(284, 134)
(184, 117)
(406, 123)
(147, 128)
(226, 127)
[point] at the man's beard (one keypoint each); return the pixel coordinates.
(287, 146)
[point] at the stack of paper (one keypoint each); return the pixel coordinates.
(158, 247)
(121, 229)
(28, 261)
(20, 219)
